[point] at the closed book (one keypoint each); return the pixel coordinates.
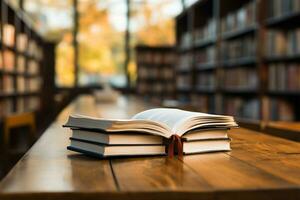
(204, 146)
(206, 134)
(103, 150)
(124, 138)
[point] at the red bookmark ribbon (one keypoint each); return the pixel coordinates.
(175, 139)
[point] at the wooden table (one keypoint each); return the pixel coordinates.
(258, 167)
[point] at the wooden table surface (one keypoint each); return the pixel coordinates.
(258, 167)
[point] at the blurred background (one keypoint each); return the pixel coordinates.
(234, 57)
(101, 35)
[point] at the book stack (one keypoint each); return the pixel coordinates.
(157, 131)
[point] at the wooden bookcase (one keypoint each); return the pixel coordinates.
(240, 57)
(26, 64)
(155, 72)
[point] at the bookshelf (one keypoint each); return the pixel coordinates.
(155, 72)
(25, 64)
(244, 58)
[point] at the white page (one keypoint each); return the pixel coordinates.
(169, 116)
(175, 118)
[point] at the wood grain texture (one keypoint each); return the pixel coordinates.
(275, 155)
(156, 173)
(216, 168)
(48, 166)
(258, 167)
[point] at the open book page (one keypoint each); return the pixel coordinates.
(159, 121)
(167, 116)
(180, 121)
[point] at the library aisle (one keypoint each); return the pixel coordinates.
(115, 58)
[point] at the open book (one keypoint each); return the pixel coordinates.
(151, 128)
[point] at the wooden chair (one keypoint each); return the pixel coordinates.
(16, 121)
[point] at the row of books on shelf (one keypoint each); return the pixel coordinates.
(144, 88)
(243, 47)
(183, 98)
(185, 61)
(279, 43)
(242, 108)
(162, 73)
(278, 8)
(281, 110)
(244, 79)
(23, 84)
(278, 109)
(239, 19)
(23, 64)
(205, 57)
(21, 41)
(183, 81)
(240, 79)
(206, 32)
(206, 81)
(204, 103)
(23, 104)
(284, 77)
(186, 40)
(283, 43)
(155, 57)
